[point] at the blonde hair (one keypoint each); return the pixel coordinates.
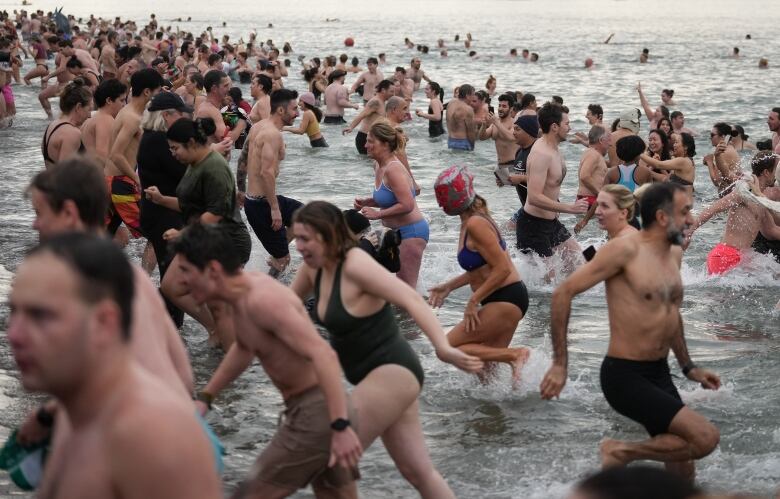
(480, 207)
(623, 197)
(384, 132)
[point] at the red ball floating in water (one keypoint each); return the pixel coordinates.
(348, 41)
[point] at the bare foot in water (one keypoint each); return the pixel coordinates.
(517, 365)
(610, 451)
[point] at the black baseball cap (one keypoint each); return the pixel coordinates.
(168, 100)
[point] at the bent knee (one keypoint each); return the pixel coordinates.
(706, 440)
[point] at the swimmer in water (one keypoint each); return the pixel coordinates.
(373, 111)
(642, 275)
(461, 126)
(499, 299)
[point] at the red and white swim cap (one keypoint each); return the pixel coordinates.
(454, 189)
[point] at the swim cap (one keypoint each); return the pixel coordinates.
(454, 189)
(529, 123)
(308, 98)
(630, 120)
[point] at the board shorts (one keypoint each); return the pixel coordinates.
(258, 214)
(419, 229)
(460, 144)
(641, 391)
(125, 204)
(539, 235)
(587, 197)
(722, 258)
(299, 452)
(334, 120)
(515, 293)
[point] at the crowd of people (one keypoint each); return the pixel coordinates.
(148, 120)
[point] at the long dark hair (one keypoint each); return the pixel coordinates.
(437, 90)
(666, 144)
(185, 129)
(315, 110)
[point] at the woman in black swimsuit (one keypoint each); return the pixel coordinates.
(352, 296)
(435, 112)
(62, 137)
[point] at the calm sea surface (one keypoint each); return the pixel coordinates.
(492, 442)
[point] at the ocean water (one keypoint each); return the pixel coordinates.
(492, 441)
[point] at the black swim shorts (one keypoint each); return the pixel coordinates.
(515, 293)
(334, 120)
(642, 391)
(258, 214)
(539, 234)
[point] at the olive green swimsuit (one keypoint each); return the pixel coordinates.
(363, 343)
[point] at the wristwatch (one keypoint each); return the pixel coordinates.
(340, 424)
(690, 366)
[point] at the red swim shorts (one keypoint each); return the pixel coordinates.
(723, 258)
(587, 197)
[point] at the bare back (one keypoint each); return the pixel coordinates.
(459, 117)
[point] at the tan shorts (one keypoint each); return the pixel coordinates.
(299, 452)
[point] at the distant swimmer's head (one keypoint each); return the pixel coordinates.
(69, 196)
(454, 189)
(525, 53)
(528, 101)
(666, 95)
(665, 124)
(764, 166)
(372, 63)
(594, 114)
(337, 75)
(763, 63)
(71, 307)
(635, 482)
(629, 120)
(629, 148)
(588, 63)
(321, 233)
(207, 255)
(534, 57)
(666, 205)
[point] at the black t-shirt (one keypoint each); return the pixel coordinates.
(156, 164)
(521, 157)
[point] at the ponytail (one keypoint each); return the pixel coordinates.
(198, 130)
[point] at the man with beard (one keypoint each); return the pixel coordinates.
(500, 129)
(644, 293)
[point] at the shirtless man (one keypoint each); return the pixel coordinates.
(69, 331)
(315, 444)
(745, 219)
(406, 84)
(96, 131)
(267, 212)
(108, 57)
(121, 176)
(217, 85)
(724, 163)
(372, 111)
(416, 74)
(773, 122)
(678, 123)
(593, 168)
(628, 125)
(369, 79)
(186, 55)
(500, 128)
(594, 115)
(260, 90)
(336, 99)
(642, 275)
(63, 77)
(461, 129)
(538, 228)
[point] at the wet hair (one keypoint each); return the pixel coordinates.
(101, 267)
(386, 133)
(465, 90)
(623, 198)
(664, 111)
(197, 79)
(203, 243)
(75, 92)
(526, 100)
(491, 79)
(436, 88)
(343, 58)
(354, 61)
(596, 110)
(265, 83)
(668, 91)
(637, 482)
(763, 161)
(185, 46)
(658, 196)
(143, 79)
(666, 143)
(281, 98)
(109, 89)
(776, 110)
(185, 129)
(666, 118)
(548, 115)
(483, 96)
(675, 114)
(383, 85)
(236, 95)
(327, 221)
(557, 99)
(507, 97)
(213, 58)
(314, 109)
(212, 78)
(629, 148)
(689, 144)
(724, 129)
(79, 180)
(372, 60)
(400, 69)
(596, 133)
(740, 132)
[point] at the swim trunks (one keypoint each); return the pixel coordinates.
(515, 293)
(419, 229)
(460, 144)
(258, 214)
(642, 391)
(319, 142)
(539, 234)
(216, 446)
(299, 452)
(588, 197)
(334, 120)
(125, 207)
(360, 142)
(722, 258)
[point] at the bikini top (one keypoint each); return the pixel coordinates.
(678, 180)
(471, 260)
(47, 141)
(384, 197)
